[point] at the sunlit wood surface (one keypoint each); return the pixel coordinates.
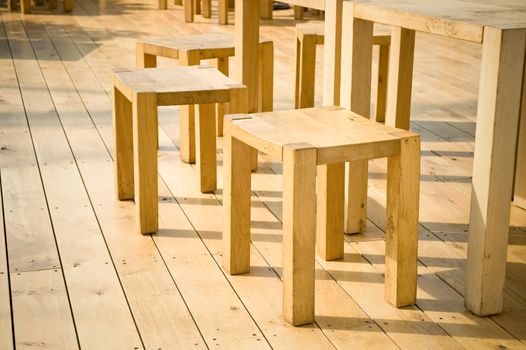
(73, 272)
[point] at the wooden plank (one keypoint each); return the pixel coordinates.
(84, 253)
(39, 316)
(497, 124)
(221, 318)
(519, 196)
(166, 321)
(6, 330)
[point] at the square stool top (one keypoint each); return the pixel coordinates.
(210, 45)
(177, 86)
(338, 134)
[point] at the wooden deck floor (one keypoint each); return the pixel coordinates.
(73, 272)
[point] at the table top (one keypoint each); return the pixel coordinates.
(461, 19)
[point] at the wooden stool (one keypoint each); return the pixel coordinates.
(25, 5)
(190, 51)
(310, 34)
(317, 142)
(137, 94)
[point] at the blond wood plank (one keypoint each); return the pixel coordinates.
(403, 193)
(299, 232)
(6, 331)
(330, 211)
(206, 147)
(166, 321)
(399, 85)
(356, 212)
(29, 234)
(84, 253)
(41, 312)
(497, 122)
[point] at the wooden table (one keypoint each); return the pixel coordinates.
(500, 26)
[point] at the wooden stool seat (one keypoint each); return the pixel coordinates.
(311, 34)
(190, 50)
(212, 45)
(314, 145)
(137, 94)
(177, 86)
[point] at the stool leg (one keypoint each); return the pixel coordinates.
(383, 70)
(68, 5)
(298, 12)
(222, 66)
(197, 7)
(236, 202)
(207, 8)
(144, 60)
(123, 138)
(266, 76)
(163, 4)
(223, 11)
(299, 231)
(206, 147)
(330, 214)
(25, 6)
(403, 188)
(178, 2)
(356, 214)
(187, 113)
(189, 11)
(305, 71)
(265, 9)
(145, 134)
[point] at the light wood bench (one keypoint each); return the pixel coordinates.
(310, 34)
(219, 47)
(137, 94)
(25, 5)
(314, 143)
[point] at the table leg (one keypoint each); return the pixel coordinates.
(357, 55)
(266, 7)
(332, 52)
(247, 48)
(519, 197)
(305, 70)
(497, 122)
(206, 147)
(222, 108)
(400, 80)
